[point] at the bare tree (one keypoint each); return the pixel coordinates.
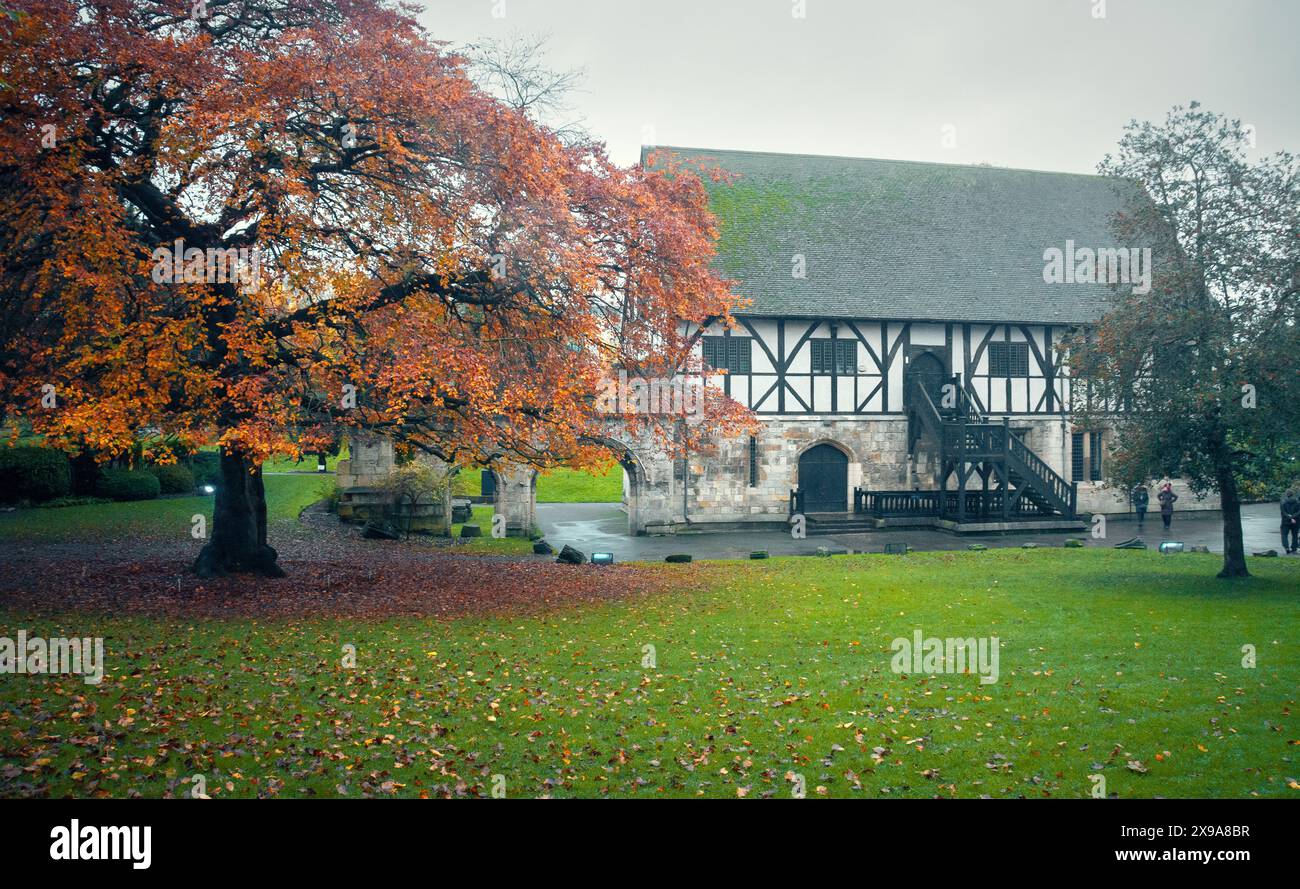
(513, 69)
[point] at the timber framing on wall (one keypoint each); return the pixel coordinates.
(782, 380)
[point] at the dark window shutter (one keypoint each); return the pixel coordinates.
(828, 356)
(738, 354)
(711, 351)
(1008, 359)
(1019, 360)
(1076, 456)
(753, 461)
(1094, 456)
(846, 357)
(728, 353)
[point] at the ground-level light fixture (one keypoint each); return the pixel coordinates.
(602, 558)
(209, 489)
(1172, 546)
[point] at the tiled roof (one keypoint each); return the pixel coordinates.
(904, 239)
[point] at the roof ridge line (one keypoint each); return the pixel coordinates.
(846, 157)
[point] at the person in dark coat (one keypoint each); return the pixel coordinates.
(1141, 499)
(1167, 498)
(1290, 521)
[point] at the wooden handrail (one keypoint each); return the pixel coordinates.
(1050, 481)
(972, 437)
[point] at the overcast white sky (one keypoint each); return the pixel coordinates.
(1040, 84)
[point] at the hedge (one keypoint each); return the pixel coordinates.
(174, 478)
(29, 473)
(127, 484)
(206, 467)
(62, 502)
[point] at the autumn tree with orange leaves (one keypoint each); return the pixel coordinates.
(269, 221)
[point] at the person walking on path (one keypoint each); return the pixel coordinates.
(1290, 521)
(1167, 498)
(1141, 499)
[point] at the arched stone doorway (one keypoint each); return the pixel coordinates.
(641, 498)
(633, 487)
(824, 479)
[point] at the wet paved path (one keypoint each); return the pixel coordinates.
(602, 527)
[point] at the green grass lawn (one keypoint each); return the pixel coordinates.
(307, 463)
(568, 486)
(487, 544)
(286, 496)
(764, 673)
(562, 485)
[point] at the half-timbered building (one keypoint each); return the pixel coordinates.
(900, 345)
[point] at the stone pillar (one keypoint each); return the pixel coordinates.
(365, 494)
(440, 521)
(631, 496)
(370, 459)
(361, 477)
(516, 499)
(658, 499)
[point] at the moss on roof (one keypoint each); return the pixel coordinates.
(904, 239)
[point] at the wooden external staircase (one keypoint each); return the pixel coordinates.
(1016, 488)
(1015, 484)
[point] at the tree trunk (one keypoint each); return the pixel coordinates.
(85, 473)
(238, 542)
(1234, 549)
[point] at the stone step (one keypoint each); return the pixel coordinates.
(846, 527)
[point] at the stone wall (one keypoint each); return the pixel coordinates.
(719, 484)
(1051, 440)
(1104, 498)
(716, 485)
(651, 484)
(362, 498)
(370, 459)
(361, 478)
(718, 490)
(516, 499)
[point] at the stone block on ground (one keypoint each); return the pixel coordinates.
(570, 556)
(461, 511)
(379, 531)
